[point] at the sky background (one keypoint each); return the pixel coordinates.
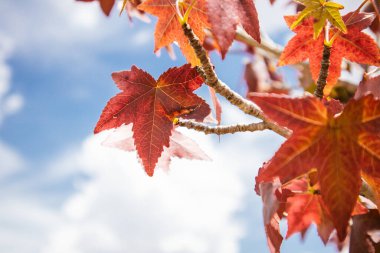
(62, 191)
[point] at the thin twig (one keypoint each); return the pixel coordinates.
(219, 130)
(325, 64)
(269, 47)
(212, 80)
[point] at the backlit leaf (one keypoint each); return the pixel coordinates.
(168, 28)
(151, 105)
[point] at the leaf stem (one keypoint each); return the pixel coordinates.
(325, 64)
(212, 80)
(373, 2)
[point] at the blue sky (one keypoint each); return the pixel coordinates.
(62, 191)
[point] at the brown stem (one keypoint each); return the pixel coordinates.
(219, 130)
(212, 80)
(325, 64)
(273, 49)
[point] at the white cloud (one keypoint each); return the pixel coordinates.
(121, 209)
(11, 161)
(118, 208)
(25, 222)
(9, 103)
(143, 37)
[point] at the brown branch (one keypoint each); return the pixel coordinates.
(212, 80)
(268, 46)
(219, 130)
(324, 72)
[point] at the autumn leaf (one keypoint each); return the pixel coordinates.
(180, 146)
(168, 28)
(301, 203)
(224, 17)
(106, 5)
(341, 147)
(354, 46)
(271, 218)
(151, 105)
(306, 207)
(321, 10)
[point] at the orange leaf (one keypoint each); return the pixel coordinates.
(168, 28)
(340, 146)
(150, 104)
(354, 46)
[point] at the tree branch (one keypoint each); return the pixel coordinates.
(219, 130)
(212, 80)
(268, 46)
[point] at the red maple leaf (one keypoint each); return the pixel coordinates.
(306, 206)
(224, 17)
(301, 203)
(106, 5)
(150, 105)
(168, 28)
(341, 147)
(180, 146)
(354, 46)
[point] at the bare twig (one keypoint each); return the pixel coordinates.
(219, 130)
(267, 46)
(212, 80)
(325, 64)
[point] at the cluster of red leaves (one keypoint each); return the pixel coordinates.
(316, 175)
(302, 205)
(342, 144)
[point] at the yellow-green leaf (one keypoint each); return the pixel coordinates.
(334, 16)
(321, 11)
